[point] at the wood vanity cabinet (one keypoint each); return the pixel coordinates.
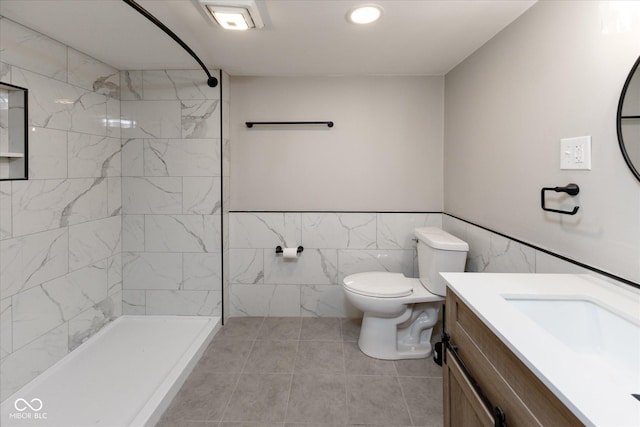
(501, 379)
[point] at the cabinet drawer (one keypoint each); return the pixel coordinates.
(503, 378)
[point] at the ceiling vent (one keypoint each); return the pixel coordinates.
(233, 14)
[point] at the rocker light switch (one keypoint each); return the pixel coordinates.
(575, 153)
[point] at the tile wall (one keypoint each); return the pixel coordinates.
(335, 245)
(492, 253)
(171, 193)
(339, 244)
(60, 231)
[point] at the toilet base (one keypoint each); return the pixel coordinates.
(407, 336)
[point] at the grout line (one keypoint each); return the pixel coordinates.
(286, 409)
(344, 364)
(404, 400)
(293, 372)
(224, 412)
(300, 330)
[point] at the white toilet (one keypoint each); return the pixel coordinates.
(400, 312)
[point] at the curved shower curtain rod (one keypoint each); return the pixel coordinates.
(211, 81)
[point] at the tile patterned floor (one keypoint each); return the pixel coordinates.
(303, 372)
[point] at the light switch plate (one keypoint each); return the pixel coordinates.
(575, 153)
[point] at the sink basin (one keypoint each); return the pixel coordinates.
(588, 329)
(578, 334)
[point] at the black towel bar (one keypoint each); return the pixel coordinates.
(251, 124)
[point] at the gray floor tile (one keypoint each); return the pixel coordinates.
(350, 329)
(358, 363)
(376, 400)
(320, 329)
(275, 357)
(280, 328)
(201, 424)
(252, 425)
(184, 423)
(321, 357)
(203, 397)
(259, 398)
(225, 356)
(313, 391)
(424, 398)
(243, 328)
(311, 425)
(418, 368)
(318, 398)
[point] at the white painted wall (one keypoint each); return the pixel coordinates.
(551, 74)
(384, 153)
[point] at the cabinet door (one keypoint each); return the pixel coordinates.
(462, 405)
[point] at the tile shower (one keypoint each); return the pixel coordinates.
(62, 276)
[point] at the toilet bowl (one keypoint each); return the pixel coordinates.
(400, 312)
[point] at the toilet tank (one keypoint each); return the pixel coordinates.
(439, 252)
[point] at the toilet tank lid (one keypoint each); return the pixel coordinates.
(439, 239)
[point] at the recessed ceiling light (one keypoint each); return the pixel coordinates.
(364, 14)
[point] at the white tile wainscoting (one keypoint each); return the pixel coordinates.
(335, 245)
(490, 252)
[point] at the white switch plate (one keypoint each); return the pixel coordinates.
(575, 153)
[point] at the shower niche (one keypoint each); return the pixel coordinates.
(13, 132)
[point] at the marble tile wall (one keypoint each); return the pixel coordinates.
(339, 244)
(171, 193)
(60, 231)
(335, 245)
(492, 253)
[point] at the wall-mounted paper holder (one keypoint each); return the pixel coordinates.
(570, 189)
(279, 249)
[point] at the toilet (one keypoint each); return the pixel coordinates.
(400, 312)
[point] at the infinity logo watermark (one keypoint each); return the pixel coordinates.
(22, 405)
(28, 410)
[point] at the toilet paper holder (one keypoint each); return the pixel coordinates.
(571, 189)
(279, 249)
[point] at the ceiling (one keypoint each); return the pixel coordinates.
(300, 37)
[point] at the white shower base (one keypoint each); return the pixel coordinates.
(124, 375)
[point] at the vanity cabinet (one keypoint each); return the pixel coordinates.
(481, 374)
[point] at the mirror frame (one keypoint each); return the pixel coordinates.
(632, 74)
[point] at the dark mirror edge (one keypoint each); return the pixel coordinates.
(625, 154)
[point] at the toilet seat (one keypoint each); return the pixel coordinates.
(379, 285)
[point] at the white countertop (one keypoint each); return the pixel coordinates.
(593, 388)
